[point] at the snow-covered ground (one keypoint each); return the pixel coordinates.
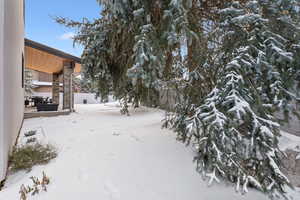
(289, 141)
(106, 156)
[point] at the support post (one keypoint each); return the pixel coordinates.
(55, 88)
(68, 68)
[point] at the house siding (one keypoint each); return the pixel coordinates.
(1, 90)
(12, 92)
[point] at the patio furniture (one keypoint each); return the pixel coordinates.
(26, 102)
(37, 100)
(47, 107)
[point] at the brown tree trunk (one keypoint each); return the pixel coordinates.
(169, 64)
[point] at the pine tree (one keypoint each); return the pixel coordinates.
(234, 128)
(246, 69)
(129, 51)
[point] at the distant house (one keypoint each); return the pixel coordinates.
(42, 86)
(42, 83)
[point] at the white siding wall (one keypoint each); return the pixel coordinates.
(1, 88)
(12, 93)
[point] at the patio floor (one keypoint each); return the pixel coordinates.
(34, 114)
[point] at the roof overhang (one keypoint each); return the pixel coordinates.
(43, 58)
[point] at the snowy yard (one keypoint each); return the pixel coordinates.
(105, 156)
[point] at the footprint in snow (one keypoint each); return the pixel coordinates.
(111, 191)
(110, 156)
(82, 175)
(135, 138)
(116, 134)
(92, 131)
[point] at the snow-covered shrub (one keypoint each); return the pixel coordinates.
(26, 156)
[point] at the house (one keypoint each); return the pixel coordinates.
(42, 82)
(55, 65)
(52, 77)
(42, 86)
(12, 63)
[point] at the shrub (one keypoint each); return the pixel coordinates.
(36, 187)
(26, 156)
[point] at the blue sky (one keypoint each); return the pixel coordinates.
(42, 28)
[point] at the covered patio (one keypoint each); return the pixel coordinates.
(61, 66)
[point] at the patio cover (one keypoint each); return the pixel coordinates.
(43, 58)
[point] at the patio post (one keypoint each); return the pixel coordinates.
(55, 88)
(68, 68)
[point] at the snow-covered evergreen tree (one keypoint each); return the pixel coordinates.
(241, 65)
(234, 128)
(129, 51)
